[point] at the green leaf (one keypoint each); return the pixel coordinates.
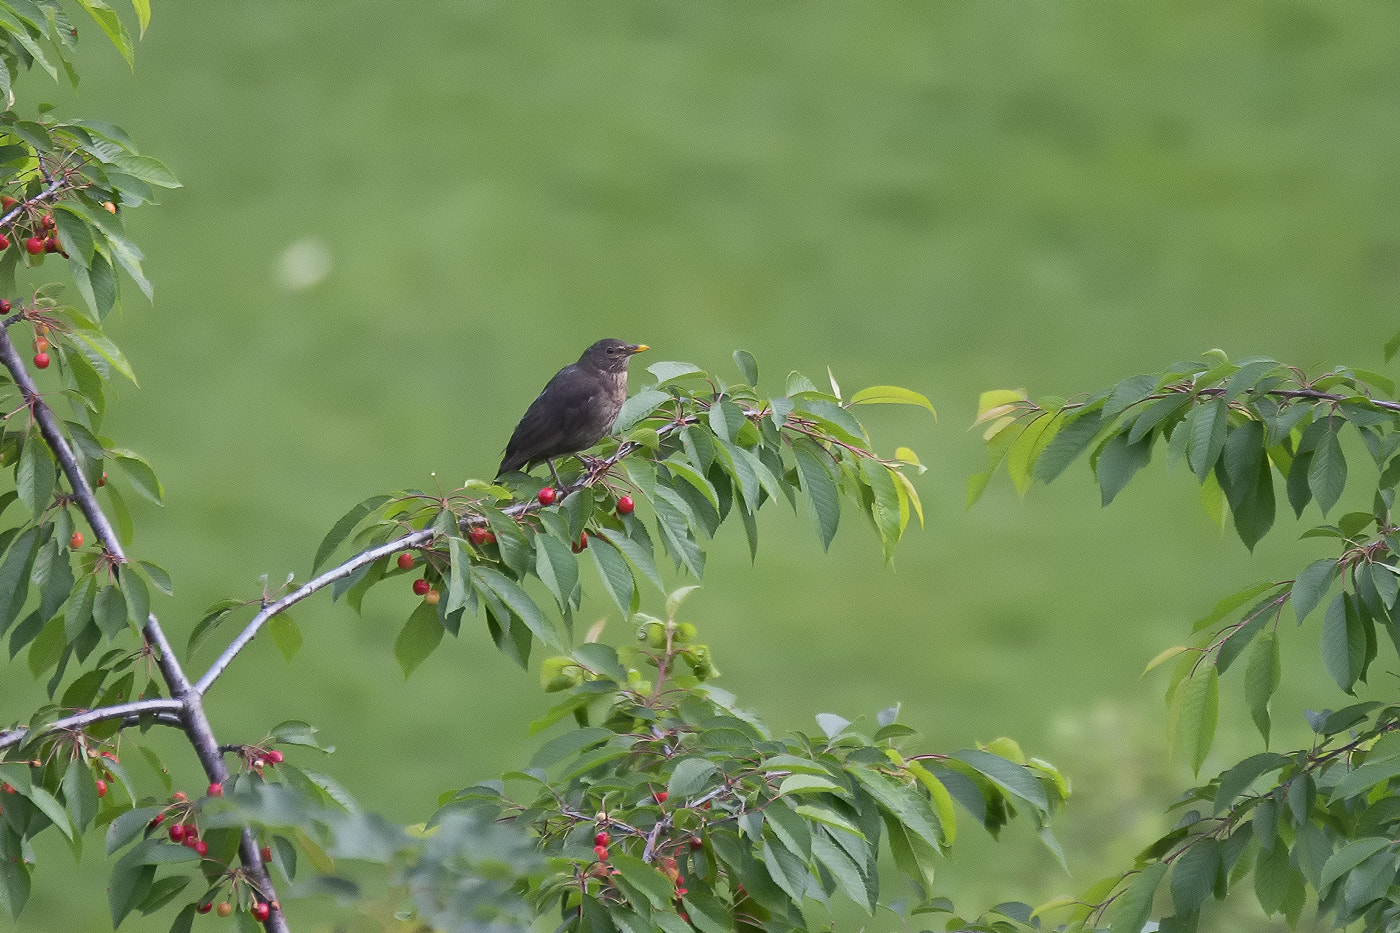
(111, 24)
(892, 395)
(1194, 874)
(819, 486)
(747, 366)
(1230, 603)
(36, 474)
(556, 565)
(1365, 777)
(1012, 778)
(901, 804)
(1245, 475)
(1343, 641)
(1261, 678)
(615, 573)
(689, 777)
(142, 477)
(518, 601)
(1069, 442)
(1206, 425)
(654, 887)
(1237, 779)
(1311, 585)
(287, 636)
(666, 370)
(419, 636)
(105, 350)
(1327, 475)
(1134, 905)
(342, 529)
(1348, 857)
(638, 407)
(50, 807)
(1117, 461)
(152, 171)
(1195, 706)
(14, 574)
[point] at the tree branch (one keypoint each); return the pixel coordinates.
(190, 701)
(330, 576)
(123, 711)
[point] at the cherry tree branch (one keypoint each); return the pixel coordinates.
(190, 705)
(413, 539)
(133, 710)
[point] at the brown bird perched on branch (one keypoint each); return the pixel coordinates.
(576, 409)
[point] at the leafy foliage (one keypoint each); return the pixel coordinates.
(1313, 822)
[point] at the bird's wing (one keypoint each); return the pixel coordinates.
(557, 422)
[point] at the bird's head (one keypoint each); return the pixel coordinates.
(611, 354)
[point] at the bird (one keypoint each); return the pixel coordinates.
(576, 409)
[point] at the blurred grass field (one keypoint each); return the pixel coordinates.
(399, 220)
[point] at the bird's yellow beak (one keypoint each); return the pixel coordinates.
(640, 347)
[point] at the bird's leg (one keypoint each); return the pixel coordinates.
(557, 481)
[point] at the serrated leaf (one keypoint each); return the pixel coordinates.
(343, 527)
(1327, 473)
(747, 366)
(819, 486)
(143, 478)
(107, 351)
(1206, 425)
(1195, 707)
(1134, 905)
(1311, 585)
(418, 637)
(1348, 857)
(892, 395)
(286, 635)
(1261, 678)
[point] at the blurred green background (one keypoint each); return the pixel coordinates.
(398, 220)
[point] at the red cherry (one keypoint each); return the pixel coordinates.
(41, 361)
(76, 541)
(191, 833)
(275, 756)
(625, 505)
(101, 788)
(34, 245)
(201, 847)
(421, 587)
(266, 853)
(51, 245)
(177, 832)
(4, 302)
(4, 242)
(205, 907)
(546, 495)
(660, 796)
(157, 820)
(601, 852)
(216, 789)
(405, 561)
(696, 842)
(7, 202)
(179, 795)
(602, 839)
(582, 542)
(102, 480)
(47, 222)
(477, 536)
(490, 537)
(261, 912)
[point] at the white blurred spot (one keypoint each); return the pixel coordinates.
(304, 263)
